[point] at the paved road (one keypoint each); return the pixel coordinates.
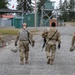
(64, 61)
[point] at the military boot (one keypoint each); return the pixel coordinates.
(51, 62)
(26, 61)
(22, 61)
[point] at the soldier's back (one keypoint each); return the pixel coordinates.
(51, 32)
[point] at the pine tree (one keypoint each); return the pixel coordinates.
(72, 4)
(60, 4)
(63, 8)
(40, 4)
(72, 12)
(24, 5)
(68, 7)
(65, 4)
(3, 4)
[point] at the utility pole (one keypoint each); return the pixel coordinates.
(22, 11)
(41, 23)
(35, 14)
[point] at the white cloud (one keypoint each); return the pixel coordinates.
(56, 2)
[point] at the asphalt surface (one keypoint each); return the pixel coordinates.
(64, 63)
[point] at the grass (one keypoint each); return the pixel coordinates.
(8, 31)
(34, 32)
(14, 31)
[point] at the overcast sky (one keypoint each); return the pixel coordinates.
(14, 3)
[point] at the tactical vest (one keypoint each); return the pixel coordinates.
(23, 35)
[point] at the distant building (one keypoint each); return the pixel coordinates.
(7, 16)
(46, 12)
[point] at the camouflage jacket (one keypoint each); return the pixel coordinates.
(49, 32)
(73, 40)
(30, 36)
(1, 40)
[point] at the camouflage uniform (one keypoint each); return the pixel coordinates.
(1, 40)
(73, 39)
(23, 38)
(51, 45)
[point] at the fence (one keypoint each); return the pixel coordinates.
(5, 22)
(61, 23)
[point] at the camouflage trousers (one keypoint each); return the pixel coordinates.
(24, 50)
(50, 51)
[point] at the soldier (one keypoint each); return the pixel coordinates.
(1, 40)
(73, 39)
(72, 48)
(24, 37)
(52, 36)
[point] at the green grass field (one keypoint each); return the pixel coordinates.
(14, 31)
(8, 31)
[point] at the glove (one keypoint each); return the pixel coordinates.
(33, 43)
(58, 46)
(44, 34)
(15, 43)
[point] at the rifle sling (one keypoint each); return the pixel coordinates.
(52, 36)
(28, 36)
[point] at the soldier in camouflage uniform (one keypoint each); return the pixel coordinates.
(1, 40)
(72, 48)
(73, 39)
(51, 44)
(24, 36)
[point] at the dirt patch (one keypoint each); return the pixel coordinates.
(8, 38)
(70, 23)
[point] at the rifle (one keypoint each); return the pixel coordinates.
(44, 43)
(31, 42)
(48, 41)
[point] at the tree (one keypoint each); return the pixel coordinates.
(65, 4)
(71, 8)
(3, 4)
(72, 4)
(60, 4)
(29, 1)
(24, 5)
(40, 4)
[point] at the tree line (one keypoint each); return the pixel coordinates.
(67, 8)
